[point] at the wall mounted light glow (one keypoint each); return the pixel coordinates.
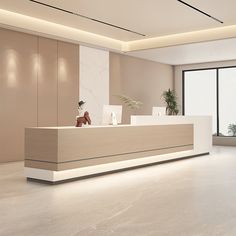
(62, 69)
(37, 65)
(11, 79)
(11, 68)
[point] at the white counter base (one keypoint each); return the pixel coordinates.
(57, 176)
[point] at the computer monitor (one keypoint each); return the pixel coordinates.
(112, 114)
(159, 111)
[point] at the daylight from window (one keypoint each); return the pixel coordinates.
(201, 97)
(227, 99)
(200, 94)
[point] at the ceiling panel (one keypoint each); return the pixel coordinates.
(150, 17)
(225, 10)
(220, 50)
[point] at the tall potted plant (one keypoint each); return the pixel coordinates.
(232, 129)
(169, 97)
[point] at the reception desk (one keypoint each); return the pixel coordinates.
(61, 153)
(57, 154)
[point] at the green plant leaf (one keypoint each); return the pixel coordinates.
(169, 97)
(133, 104)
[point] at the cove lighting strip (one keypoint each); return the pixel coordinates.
(32, 25)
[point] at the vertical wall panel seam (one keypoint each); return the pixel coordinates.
(108, 77)
(37, 84)
(78, 75)
(217, 103)
(173, 77)
(183, 92)
(57, 84)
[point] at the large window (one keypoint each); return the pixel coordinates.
(212, 92)
(227, 98)
(200, 94)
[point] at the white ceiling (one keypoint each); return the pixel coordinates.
(220, 50)
(155, 18)
(151, 17)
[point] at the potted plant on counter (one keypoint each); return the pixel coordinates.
(169, 97)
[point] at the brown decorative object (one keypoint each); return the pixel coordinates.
(83, 120)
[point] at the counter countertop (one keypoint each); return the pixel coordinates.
(95, 126)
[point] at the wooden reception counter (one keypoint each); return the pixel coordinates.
(60, 153)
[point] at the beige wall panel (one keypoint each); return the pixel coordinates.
(33, 91)
(115, 78)
(18, 91)
(139, 79)
(47, 82)
(68, 79)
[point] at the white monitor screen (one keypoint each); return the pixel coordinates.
(109, 111)
(159, 111)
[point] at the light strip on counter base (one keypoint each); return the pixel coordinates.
(57, 176)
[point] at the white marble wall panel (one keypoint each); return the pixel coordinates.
(94, 81)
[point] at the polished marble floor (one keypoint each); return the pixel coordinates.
(194, 197)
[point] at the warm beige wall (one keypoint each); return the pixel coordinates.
(38, 86)
(18, 91)
(139, 79)
(68, 83)
(47, 82)
(178, 74)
